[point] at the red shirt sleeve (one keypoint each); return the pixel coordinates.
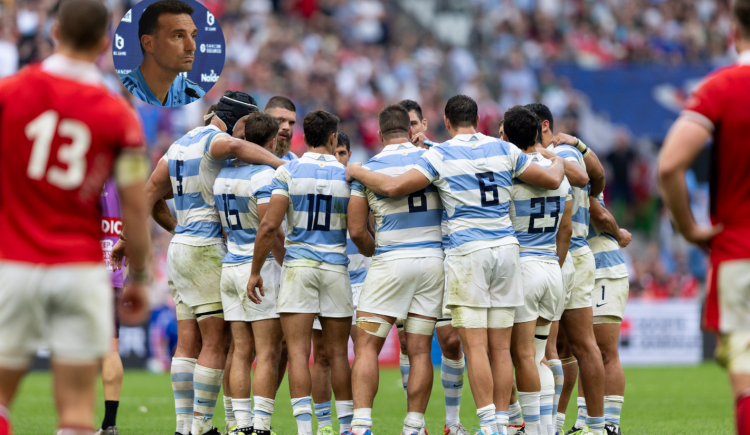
(131, 135)
(706, 104)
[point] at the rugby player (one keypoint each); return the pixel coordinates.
(314, 195)
(62, 135)
(473, 174)
(718, 110)
(285, 112)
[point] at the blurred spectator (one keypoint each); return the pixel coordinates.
(620, 161)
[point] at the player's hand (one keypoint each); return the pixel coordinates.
(134, 305)
(547, 154)
(117, 257)
(700, 235)
(625, 237)
(255, 281)
(350, 168)
(418, 140)
(564, 139)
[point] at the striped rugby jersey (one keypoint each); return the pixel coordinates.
(474, 175)
(289, 156)
(193, 171)
(609, 261)
(581, 216)
(238, 190)
(408, 226)
(536, 213)
(358, 263)
(445, 230)
(316, 217)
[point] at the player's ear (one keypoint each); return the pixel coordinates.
(147, 41)
(304, 139)
(475, 125)
(55, 31)
(447, 123)
(424, 124)
(380, 135)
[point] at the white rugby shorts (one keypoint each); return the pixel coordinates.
(325, 291)
(609, 298)
(568, 277)
(356, 290)
(237, 306)
(542, 288)
(585, 266)
(194, 274)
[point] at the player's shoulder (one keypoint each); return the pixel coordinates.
(567, 151)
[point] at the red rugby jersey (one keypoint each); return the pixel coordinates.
(60, 131)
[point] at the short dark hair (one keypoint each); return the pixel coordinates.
(741, 14)
(82, 23)
(318, 126)
(410, 105)
(260, 128)
(461, 111)
(394, 121)
(149, 21)
(521, 126)
(344, 141)
(210, 110)
(282, 102)
(543, 113)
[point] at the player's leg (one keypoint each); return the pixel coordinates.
(111, 384)
(297, 329)
(9, 380)
(403, 357)
(209, 370)
(568, 281)
(419, 329)
(336, 342)
(546, 378)
(230, 420)
(451, 371)
(183, 367)
(476, 344)
(267, 335)
(75, 394)
(569, 366)
(240, 382)
(527, 375)
(320, 374)
(283, 363)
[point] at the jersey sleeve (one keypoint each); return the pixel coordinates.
(706, 104)
(430, 164)
(281, 180)
(521, 160)
(359, 189)
(130, 134)
(567, 152)
(262, 186)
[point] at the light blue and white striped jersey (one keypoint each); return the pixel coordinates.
(609, 261)
(289, 156)
(445, 229)
(474, 175)
(238, 190)
(408, 226)
(535, 213)
(581, 216)
(316, 217)
(193, 171)
(358, 263)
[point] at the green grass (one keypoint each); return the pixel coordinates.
(666, 400)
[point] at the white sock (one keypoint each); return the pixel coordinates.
(560, 422)
(243, 412)
(323, 414)
(412, 423)
(595, 425)
(207, 383)
(514, 414)
(487, 422)
(545, 410)
(530, 407)
(403, 361)
(362, 420)
(582, 414)
(182, 387)
(229, 413)
(303, 414)
(501, 421)
(557, 371)
(452, 375)
(344, 411)
(262, 413)
(612, 409)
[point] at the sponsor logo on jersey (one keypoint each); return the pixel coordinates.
(119, 45)
(112, 227)
(212, 78)
(210, 20)
(128, 17)
(211, 48)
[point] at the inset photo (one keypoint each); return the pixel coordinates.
(168, 53)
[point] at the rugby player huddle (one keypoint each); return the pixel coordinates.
(502, 243)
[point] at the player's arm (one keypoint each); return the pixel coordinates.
(594, 168)
(577, 176)
(163, 216)
(357, 220)
(547, 178)
(264, 240)
(683, 143)
(224, 147)
(603, 219)
(277, 247)
(385, 185)
(565, 232)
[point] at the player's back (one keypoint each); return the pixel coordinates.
(192, 172)
(238, 190)
(581, 214)
(536, 213)
(318, 200)
(474, 174)
(409, 225)
(609, 260)
(60, 131)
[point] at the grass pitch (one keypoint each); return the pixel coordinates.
(664, 400)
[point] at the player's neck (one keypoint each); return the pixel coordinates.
(77, 55)
(462, 130)
(158, 79)
(319, 150)
(395, 141)
(534, 149)
(547, 138)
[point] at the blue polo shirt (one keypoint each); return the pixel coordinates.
(136, 84)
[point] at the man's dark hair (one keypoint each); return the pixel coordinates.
(461, 111)
(82, 23)
(149, 22)
(741, 13)
(281, 102)
(318, 126)
(260, 128)
(543, 113)
(344, 140)
(394, 121)
(521, 126)
(410, 105)
(210, 110)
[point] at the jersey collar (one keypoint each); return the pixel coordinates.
(78, 70)
(469, 137)
(744, 58)
(317, 156)
(150, 97)
(397, 146)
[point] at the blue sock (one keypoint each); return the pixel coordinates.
(595, 424)
(323, 414)
(303, 414)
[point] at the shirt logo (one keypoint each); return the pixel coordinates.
(128, 17)
(212, 77)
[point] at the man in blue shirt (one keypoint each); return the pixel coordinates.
(167, 36)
